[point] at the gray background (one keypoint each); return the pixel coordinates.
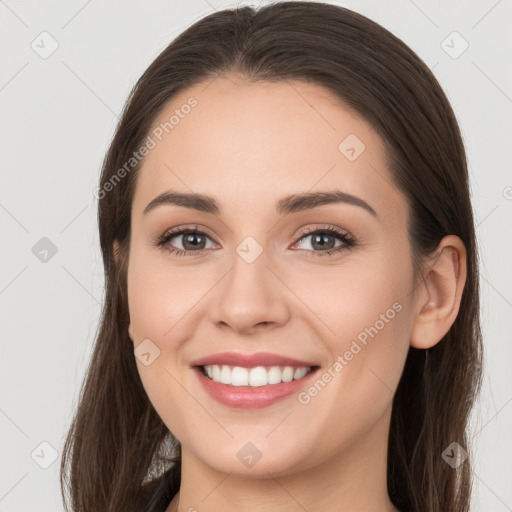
(59, 115)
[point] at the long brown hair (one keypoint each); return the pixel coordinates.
(118, 455)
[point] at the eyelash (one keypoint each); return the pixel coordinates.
(348, 241)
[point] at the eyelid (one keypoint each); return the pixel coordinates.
(324, 227)
(186, 228)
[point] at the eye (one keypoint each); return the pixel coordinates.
(193, 241)
(191, 238)
(324, 239)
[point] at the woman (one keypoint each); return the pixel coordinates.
(291, 318)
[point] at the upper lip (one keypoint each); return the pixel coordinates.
(250, 360)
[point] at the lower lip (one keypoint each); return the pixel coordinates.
(246, 397)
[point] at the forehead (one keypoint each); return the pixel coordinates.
(250, 143)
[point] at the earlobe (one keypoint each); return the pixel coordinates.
(438, 300)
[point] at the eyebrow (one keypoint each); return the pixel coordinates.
(285, 206)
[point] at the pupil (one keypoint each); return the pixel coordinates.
(188, 239)
(320, 239)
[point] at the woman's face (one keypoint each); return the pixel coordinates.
(258, 279)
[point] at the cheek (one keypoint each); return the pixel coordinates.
(157, 299)
(361, 295)
(158, 295)
(371, 320)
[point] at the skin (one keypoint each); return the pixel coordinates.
(248, 145)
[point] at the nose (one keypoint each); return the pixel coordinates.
(251, 297)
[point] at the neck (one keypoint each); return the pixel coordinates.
(354, 480)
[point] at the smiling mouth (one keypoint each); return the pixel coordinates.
(238, 376)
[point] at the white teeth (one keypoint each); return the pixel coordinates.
(299, 373)
(239, 376)
(225, 375)
(254, 377)
(287, 374)
(274, 375)
(257, 376)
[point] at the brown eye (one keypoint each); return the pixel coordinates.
(191, 239)
(323, 241)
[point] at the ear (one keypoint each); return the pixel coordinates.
(438, 299)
